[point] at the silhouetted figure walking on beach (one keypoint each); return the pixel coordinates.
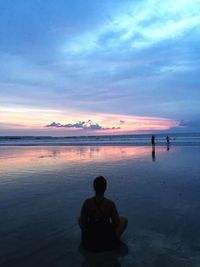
(167, 139)
(153, 140)
(100, 222)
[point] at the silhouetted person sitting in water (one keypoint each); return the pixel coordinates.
(100, 222)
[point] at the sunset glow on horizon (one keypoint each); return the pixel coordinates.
(40, 122)
(99, 67)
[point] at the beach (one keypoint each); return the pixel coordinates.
(106, 89)
(42, 189)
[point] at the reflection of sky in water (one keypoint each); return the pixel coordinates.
(42, 188)
(18, 158)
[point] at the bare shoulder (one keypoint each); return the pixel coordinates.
(88, 201)
(110, 203)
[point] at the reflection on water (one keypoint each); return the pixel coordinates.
(153, 153)
(168, 146)
(16, 158)
(42, 188)
(111, 258)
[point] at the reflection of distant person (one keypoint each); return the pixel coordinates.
(100, 222)
(153, 140)
(167, 146)
(153, 153)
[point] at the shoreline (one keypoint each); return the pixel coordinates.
(103, 144)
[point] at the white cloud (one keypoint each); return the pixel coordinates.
(153, 21)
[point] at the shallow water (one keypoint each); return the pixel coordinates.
(42, 188)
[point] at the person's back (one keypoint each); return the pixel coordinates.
(99, 227)
(100, 222)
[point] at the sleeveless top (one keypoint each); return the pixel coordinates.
(99, 234)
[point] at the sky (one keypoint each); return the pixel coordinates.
(85, 67)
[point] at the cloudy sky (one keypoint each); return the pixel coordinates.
(79, 67)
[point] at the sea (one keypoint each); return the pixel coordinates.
(133, 139)
(45, 180)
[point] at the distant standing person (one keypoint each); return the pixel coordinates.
(153, 140)
(167, 138)
(100, 222)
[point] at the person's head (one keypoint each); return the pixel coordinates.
(100, 185)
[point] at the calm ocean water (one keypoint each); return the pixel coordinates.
(139, 139)
(42, 189)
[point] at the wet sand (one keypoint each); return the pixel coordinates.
(42, 188)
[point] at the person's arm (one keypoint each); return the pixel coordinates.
(83, 217)
(114, 215)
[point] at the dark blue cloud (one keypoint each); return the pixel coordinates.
(41, 26)
(190, 125)
(85, 125)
